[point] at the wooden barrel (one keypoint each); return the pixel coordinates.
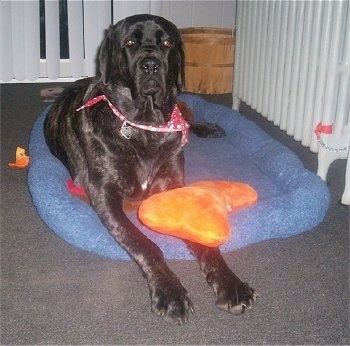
(209, 60)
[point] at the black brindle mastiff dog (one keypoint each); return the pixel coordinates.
(110, 149)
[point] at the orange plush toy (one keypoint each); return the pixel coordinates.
(22, 160)
(198, 212)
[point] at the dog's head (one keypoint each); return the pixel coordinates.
(143, 53)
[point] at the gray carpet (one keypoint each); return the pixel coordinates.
(52, 293)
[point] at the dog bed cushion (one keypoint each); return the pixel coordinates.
(292, 199)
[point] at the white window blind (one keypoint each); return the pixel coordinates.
(20, 39)
(21, 21)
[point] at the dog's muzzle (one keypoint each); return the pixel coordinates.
(152, 71)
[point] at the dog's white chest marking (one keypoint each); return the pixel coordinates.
(144, 185)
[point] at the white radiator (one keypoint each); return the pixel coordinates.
(293, 66)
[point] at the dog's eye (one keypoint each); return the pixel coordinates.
(167, 43)
(129, 42)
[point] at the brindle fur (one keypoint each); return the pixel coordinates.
(141, 64)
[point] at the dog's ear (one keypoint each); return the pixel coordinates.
(110, 55)
(105, 56)
(181, 67)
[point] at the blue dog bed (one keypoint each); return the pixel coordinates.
(292, 199)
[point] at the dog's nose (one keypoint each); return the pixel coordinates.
(150, 65)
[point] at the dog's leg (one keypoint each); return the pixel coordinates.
(231, 293)
(168, 297)
(206, 130)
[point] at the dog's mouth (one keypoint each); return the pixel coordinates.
(150, 87)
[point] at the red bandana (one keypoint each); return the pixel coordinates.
(175, 124)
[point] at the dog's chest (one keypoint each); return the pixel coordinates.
(146, 170)
(146, 162)
(156, 168)
(149, 171)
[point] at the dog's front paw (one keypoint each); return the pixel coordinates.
(232, 294)
(214, 131)
(169, 299)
